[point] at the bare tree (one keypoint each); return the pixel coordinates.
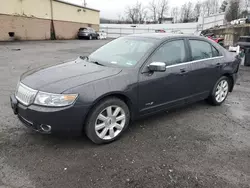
(211, 7)
(136, 13)
(233, 11)
(197, 10)
(189, 11)
(162, 10)
(175, 14)
(131, 14)
(214, 6)
(207, 7)
(153, 9)
(186, 12)
(142, 12)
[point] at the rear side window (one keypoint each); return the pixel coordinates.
(215, 52)
(200, 49)
(171, 53)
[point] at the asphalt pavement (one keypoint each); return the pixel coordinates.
(196, 146)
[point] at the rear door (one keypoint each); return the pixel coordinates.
(205, 67)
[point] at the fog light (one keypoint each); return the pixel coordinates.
(45, 128)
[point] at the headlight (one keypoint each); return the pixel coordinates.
(56, 100)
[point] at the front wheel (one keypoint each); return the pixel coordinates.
(220, 91)
(90, 37)
(107, 121)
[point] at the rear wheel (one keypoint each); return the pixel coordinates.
(107, 121)
(220, 91)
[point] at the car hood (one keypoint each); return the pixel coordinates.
(59, 78)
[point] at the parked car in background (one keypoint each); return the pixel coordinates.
(218, 40)
(210, 35)
(244, 44)
(176, 32)
(102, 34)
(126, 79)
(160, 31)
(88, 33)
(240, 21)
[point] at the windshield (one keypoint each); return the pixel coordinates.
(123, 52)
(83, 29)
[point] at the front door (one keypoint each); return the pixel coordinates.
(160, 90)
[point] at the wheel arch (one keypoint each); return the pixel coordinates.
(231, 80)
(118, 95)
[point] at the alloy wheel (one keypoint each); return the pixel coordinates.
(221, 91)
(110, 122)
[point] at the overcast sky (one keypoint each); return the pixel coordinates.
(112, 8)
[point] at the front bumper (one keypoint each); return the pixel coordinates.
(61, 120)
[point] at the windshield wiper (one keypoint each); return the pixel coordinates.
(97, 63)
(87, 58)
(84, 57)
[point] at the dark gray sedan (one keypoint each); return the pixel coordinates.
(128, 78)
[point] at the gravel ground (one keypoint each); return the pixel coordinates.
(195, 146)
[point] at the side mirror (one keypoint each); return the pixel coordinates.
(157, 67)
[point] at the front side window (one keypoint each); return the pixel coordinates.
(200, 49)
(123, 52)
(170, 53)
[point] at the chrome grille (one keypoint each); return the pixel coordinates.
(25, 95)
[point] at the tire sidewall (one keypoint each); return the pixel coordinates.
(90, 123)
(213, 97)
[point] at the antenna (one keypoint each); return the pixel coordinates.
(84, 3)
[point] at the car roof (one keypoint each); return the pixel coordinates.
(85, 28)
(163, 36)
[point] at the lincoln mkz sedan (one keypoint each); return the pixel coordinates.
(128, 78)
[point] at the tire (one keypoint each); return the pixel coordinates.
(99, 124)
(98, 38)
(220, 91)
(90, 37)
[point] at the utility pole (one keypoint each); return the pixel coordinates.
(84, 3)
(52, 28)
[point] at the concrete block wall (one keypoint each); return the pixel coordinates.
(68, 30)
(31, 19)
(24, 28)
(231, 34)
